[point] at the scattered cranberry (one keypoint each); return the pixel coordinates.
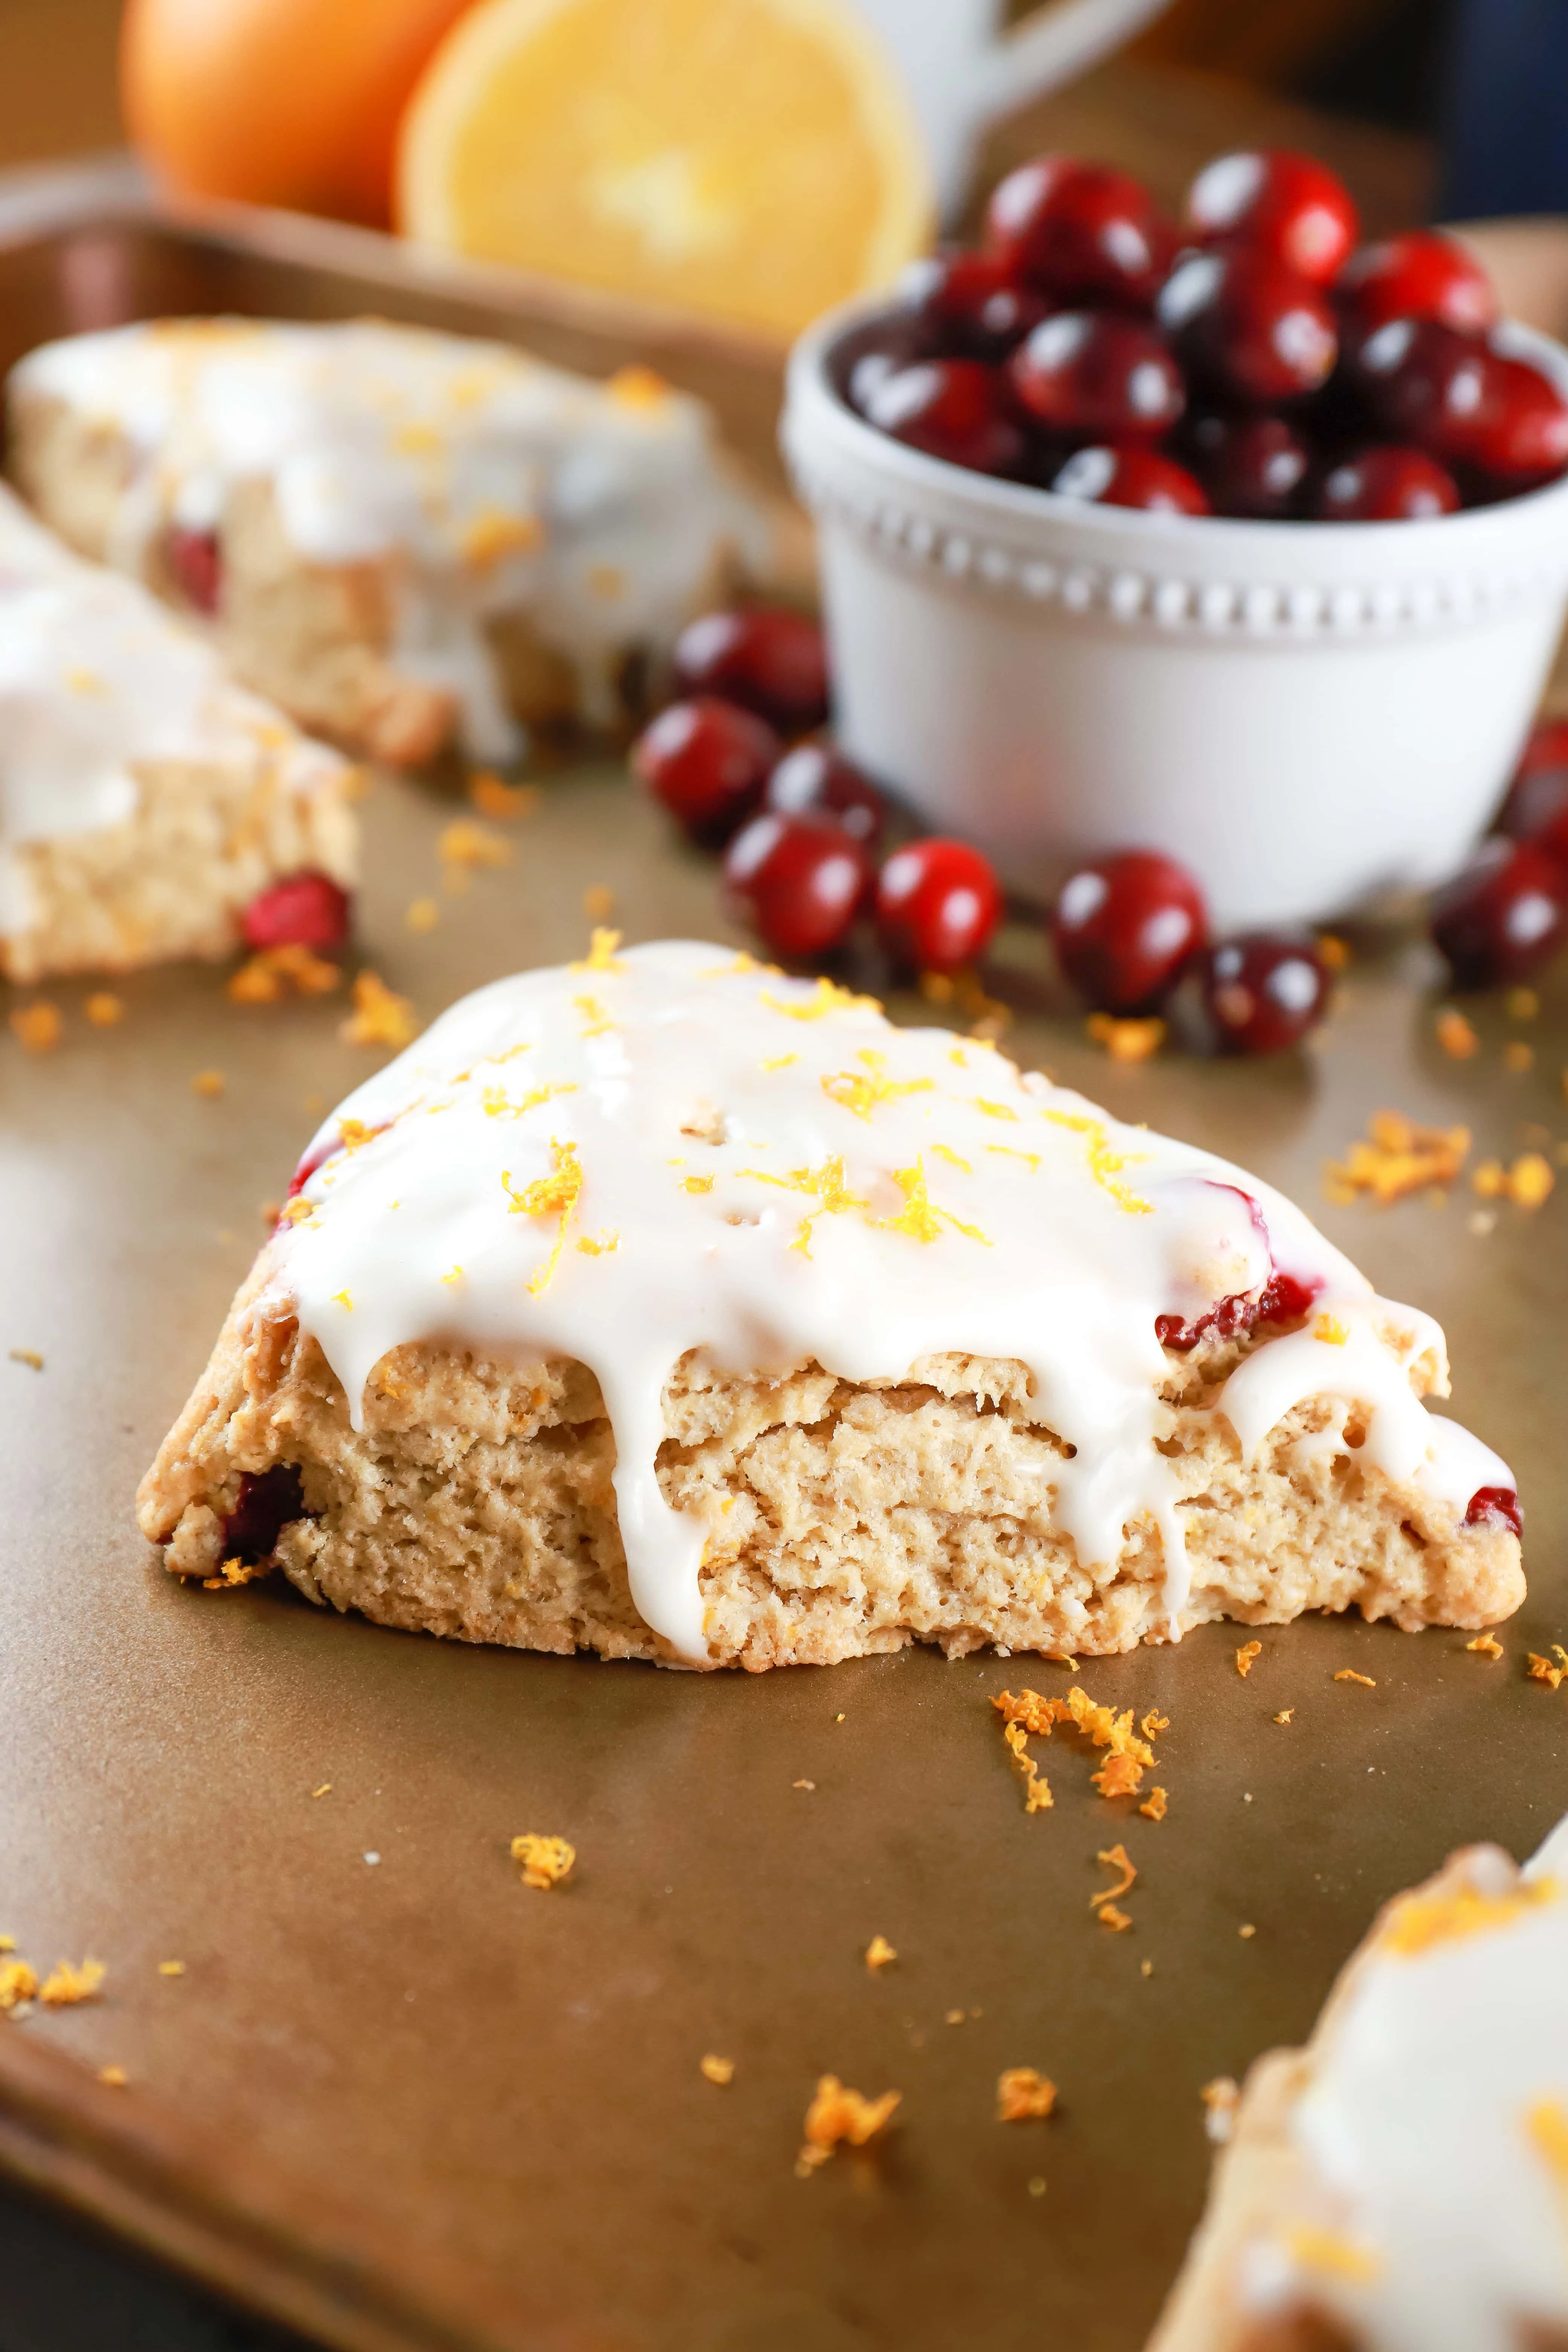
(708, 761)
(938, 903)
(1080, 232)
(1283, 1299)
(1520, 434)
(1547, 747)
(1502, 914)
(1130, 478)
(196, 561)
(1094, 375)
(1250, 329)
(956, 409)
(1124, 927)
(1263, 991)
(803, 880)
(1386, 484)
(815, 780)
(1421, 275)
(1249, 466)
(968, 305)
(1536, 808)
(303, 910)
(1289, 206)
(269, 1501)
(1496, 1506)
(770, 659)
(1424, 383)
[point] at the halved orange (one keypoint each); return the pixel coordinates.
(755, 161)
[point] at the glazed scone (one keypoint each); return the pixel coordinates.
(1401, 2185)
(666, 1306)
(403, 538)
(145, 799)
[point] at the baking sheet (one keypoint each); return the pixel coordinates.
(405, 2102)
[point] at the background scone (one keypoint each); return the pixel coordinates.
(402, 537)
(672, 1309)
(145, 799)
(1403, 2181)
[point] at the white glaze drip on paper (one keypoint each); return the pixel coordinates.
(680, 1081)
(503, 485)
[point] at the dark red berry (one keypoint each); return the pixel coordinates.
(196, 561)
(708, 761)
(1287, 206)
(1496, 1506)
(303, 910)
(938, 902)
(1130, 477)
(268, 1502)
(1547, 747)
(1424, 383)
(1125, 926)
(965, 305)
(1080, 232)
(1249, 466)
(869, 359)
(1421, 275)
(1248, 328)
(765, 656)
(1502, 914)
(802, 879)
(815, 780)
(1386, 484)
(956, 409)
(1284, 1298)
(1093, 375)
(1536, 808)
(1263, 991)
(1520, 436)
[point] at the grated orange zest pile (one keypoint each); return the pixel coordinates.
(380, 1016)
(1398, 1157)
(1123, 1040)
(66, 1984)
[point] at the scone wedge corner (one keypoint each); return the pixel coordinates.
(668, 1307)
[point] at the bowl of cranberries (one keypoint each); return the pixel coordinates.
(1231, 536)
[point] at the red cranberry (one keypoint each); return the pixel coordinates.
(1537, 804)
(1424, 383)
(1284, 1298)
(1124, 927)
(815, 780)
(196, 561)
(267, 1501)
(967, 305)
(1421, 275)
(1247, 327)
(1521, 434)
(1502, 914)
(1386, 484)
(956, 409)
(938, 903)
(1095, 376)
(708, 761)
(1130, 478)
(1080, 232)
(1547, 747)
(1496, 1506)
(1263, 991)
(304, 910)
(1250, 465)
(802, 879)
(1287, 206)
(770, 659)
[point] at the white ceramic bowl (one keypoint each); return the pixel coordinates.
(1313, 717)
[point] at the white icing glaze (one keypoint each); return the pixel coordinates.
(503, 485)
(96, 678)
(753, 1155)
(1434, 2132)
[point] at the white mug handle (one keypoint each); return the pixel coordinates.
(1052, 46)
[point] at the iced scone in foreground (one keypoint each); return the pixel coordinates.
(1401, 2185)
(663, 1306)
(146, 801)
(405, 538)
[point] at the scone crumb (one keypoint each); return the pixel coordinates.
(208, 1083)
(380, 1016)
(1155, 1805)
(878, 1952)
(1541, 1670)
(1115, 1858)
(839, 2114)
(546, 1860)
(18, 1982)
(1486, 1645)
(808, 1785)
(1455, 1034)
(1123, 1040)
(1023, 2094)
(115, 2076)
(66, 1984)
(103, 1009)
(1245, 1656)
(1221, 2098)
(952, 2017)
(1349, 1674)
(1246, 1933)
(718, 2069)
(1398, 1157)
(37, 1026)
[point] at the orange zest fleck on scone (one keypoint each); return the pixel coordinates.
(1021, 2094)
(546, 1860)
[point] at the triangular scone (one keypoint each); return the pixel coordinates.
(1401, 2185)
(145, 799)
(401, 537)
(669, 1308)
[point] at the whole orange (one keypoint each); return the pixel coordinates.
(289, 102)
